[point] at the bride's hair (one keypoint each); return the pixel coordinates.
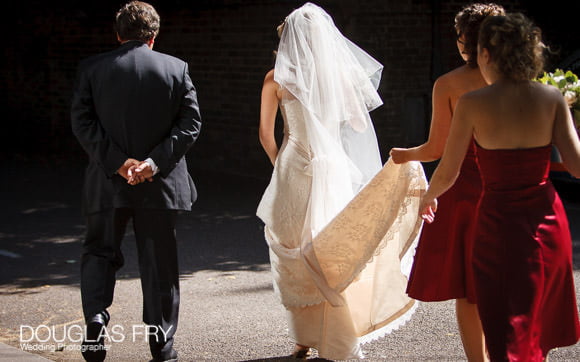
(514, 44)
(279, 30)
(467, 23)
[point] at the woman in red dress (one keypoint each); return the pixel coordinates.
(441, 268)
(522, 255)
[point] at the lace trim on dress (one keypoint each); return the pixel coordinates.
(392, 326)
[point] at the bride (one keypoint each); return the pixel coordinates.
(341, 228)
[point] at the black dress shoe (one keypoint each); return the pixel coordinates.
(93, 347)
(170, 357)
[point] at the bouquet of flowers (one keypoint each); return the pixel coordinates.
(568, 83)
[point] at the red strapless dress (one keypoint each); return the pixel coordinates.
(442, 265)
(522, 257)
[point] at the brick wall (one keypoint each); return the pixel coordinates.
(228, 45)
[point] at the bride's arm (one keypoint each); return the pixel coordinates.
(268, 110)
(448, 169)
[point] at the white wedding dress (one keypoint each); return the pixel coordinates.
(345, 284)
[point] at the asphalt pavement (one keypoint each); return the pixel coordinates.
(229, 311)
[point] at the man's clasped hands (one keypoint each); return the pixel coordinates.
(135, 171)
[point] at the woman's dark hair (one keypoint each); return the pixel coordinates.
(137, 20)
(467, 23)
(514, 44)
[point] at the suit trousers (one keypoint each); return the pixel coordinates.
(158, 267)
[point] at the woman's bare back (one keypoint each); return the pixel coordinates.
(513, 114)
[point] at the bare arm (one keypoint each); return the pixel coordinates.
(268, 110)
(438, 132)
(448, 169)
(565, 138)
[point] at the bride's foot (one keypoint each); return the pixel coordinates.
(301, 352)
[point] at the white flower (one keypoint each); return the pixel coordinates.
(570, 97)
(558, 78)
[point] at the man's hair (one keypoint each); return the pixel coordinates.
(137, 20)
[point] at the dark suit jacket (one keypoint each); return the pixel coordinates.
(134, 102)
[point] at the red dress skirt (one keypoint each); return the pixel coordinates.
(442, 265)
(522, 258)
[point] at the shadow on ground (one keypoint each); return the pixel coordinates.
(41, 227)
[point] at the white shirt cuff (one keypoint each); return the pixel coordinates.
(154, 167)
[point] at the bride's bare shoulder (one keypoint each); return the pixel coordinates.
(269, 81)
(269, 76)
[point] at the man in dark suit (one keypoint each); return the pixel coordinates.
(135, 113)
